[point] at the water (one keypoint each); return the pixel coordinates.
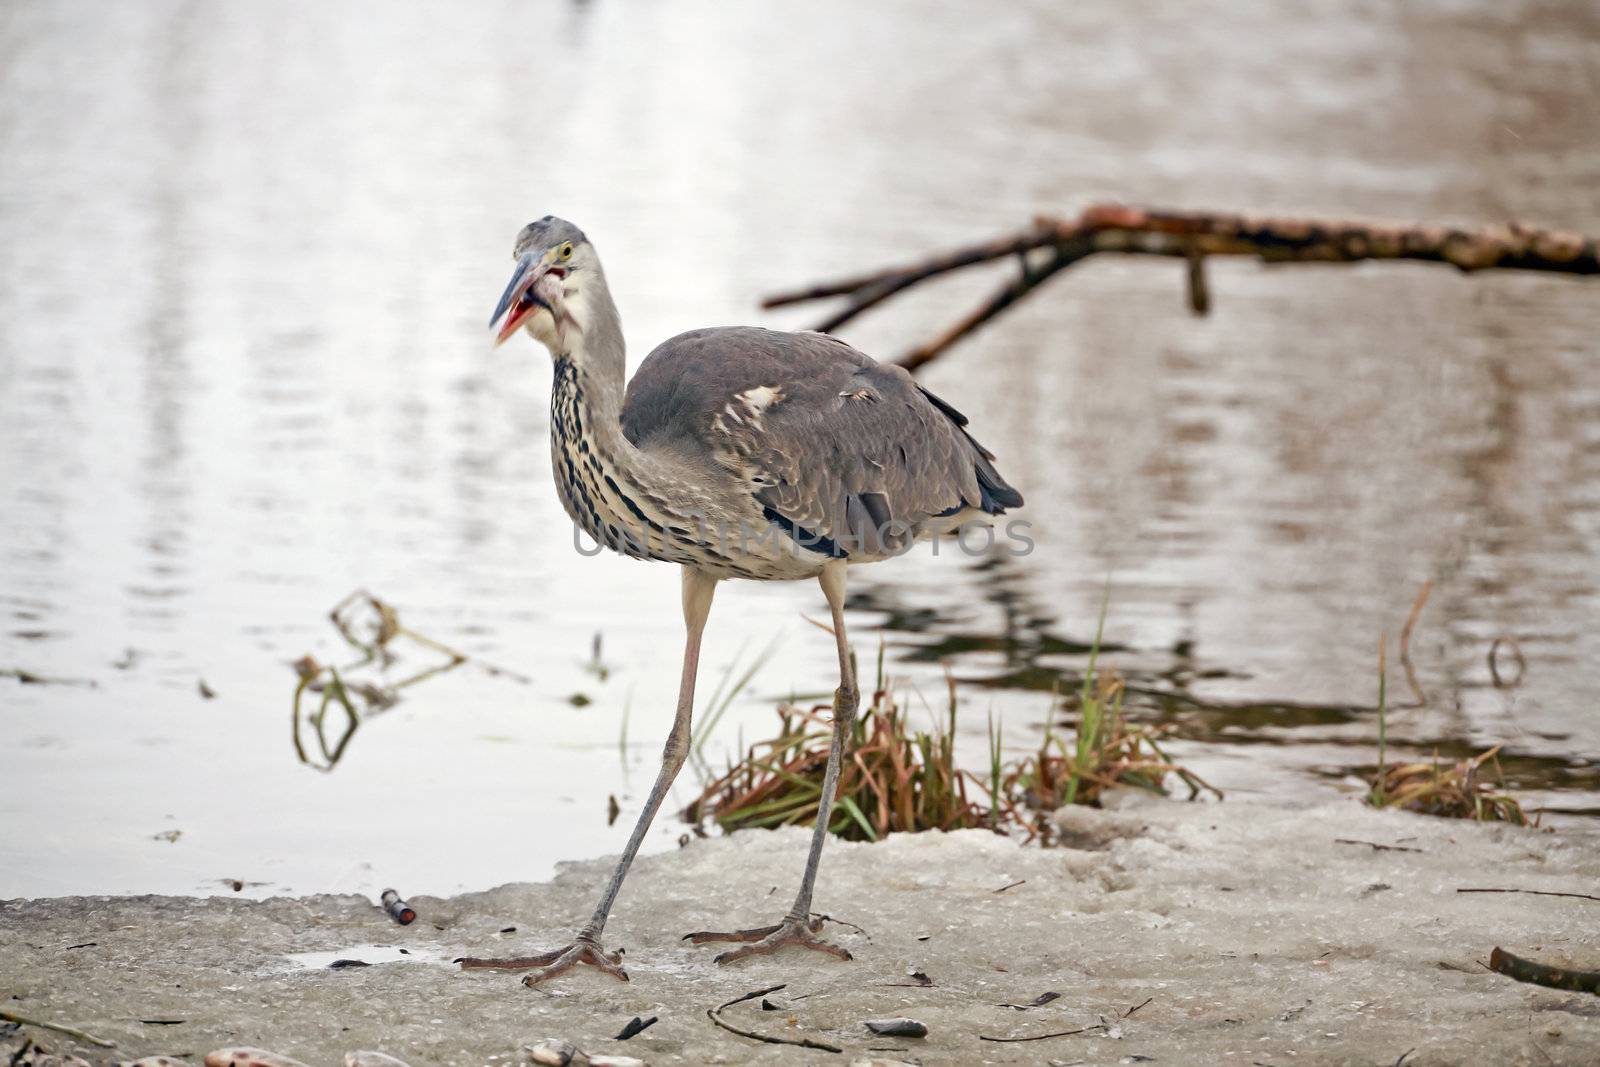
(247, 252)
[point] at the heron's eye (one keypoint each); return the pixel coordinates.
(566, 251)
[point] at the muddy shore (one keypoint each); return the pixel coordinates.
(1240, 933)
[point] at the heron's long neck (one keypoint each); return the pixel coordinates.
(606, 484)
(636, 501)
(592, 374)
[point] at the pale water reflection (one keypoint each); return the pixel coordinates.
(247, 252)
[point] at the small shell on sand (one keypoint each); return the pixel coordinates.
(367, 1058)
(552, 1052)
(245, 1056)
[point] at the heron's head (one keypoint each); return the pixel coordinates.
(557, 271)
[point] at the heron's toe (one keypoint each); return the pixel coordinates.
(547, 965)
(703, 937)
(593, 955)
(509, 963)
(768, 939)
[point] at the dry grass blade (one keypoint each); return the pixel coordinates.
(1417, 694)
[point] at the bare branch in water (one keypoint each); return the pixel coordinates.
(1192, 237)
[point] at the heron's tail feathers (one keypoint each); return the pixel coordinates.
(998, 494)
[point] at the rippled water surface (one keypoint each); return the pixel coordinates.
(247, 252)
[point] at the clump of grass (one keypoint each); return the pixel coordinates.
(892, 779)
(1107, 751)
(1452, 791)
(895, 778)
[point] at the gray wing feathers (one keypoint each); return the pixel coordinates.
(826, 437)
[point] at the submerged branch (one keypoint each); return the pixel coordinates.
(1191, 237)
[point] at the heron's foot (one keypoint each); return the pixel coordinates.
(557, 961)
(764, 939)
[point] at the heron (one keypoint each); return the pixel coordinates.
(734, 452)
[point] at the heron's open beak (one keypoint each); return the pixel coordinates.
(523, 297)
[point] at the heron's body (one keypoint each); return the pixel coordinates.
(752, 453)
(736, 452)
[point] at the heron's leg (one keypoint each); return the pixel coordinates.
(698, 588)
(798, 927)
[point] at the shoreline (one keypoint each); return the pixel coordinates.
(1239, 932)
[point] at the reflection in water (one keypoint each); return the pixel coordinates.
(244, 260)
(1021, 639)
(1160, 688)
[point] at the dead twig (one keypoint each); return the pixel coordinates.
(1540, 974)
(1002, 298)
(817, 916)
(1374, 845)
(1013, 885)
(919, 980)
(1037, 1002)
(1191, 237)
(60, 1028)
(1043, 1037)
(715, 1015)
(1045, 999)
(1533, 892)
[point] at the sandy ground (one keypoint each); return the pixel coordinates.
(1248, 934)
